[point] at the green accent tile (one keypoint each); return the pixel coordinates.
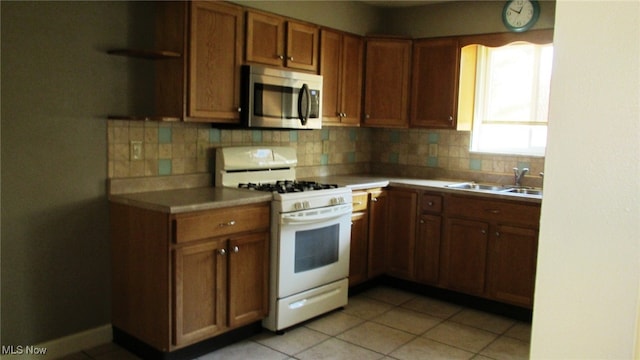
(164, 135)
(214, 135)
(325, 134)
(432, 161)
(523, 164)
(394, 158)
(256, 135)
(353, 135)
(164, 167)
(475, 164)
(394, 136)
(293, 136)
(434, 138)
(351, 157)
(324, 159)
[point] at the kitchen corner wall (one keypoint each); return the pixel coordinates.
(185, 148)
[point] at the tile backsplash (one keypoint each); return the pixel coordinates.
(186, 148)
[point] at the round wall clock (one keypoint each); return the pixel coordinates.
(520, 15)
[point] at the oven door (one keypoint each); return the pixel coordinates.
(313, 248)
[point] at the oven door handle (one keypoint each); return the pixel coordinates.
(313, 218)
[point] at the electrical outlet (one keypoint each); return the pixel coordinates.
(135, 150)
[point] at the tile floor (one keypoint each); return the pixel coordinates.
(381, 323)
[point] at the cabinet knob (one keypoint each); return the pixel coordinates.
(483, 231)
(290, 58)
(230, 223)
(222, 252)
(366, 116)
(236, 249)
(450, 118)
(374, 199)
(430, 203)
(421, 221)
(239, 109)
(498, 233)
(281, 57)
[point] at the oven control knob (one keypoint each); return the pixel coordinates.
(305, 204)
(297, 205)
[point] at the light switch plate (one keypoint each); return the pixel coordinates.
(135, 150)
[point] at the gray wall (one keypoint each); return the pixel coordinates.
(58, 84)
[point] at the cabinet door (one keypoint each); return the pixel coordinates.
(351, 95)
(265, 38)
(200, 292)
(359, 248)
(378, 211)
(512, 264)
(387, 82)
(464, 255)
(330, 69)
(428, 249)
(215, 56)
(401, 232)
(302, 46)
(434, 93)
(248, 278)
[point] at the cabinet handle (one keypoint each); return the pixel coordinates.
(222, 252)
(374, 199)
(357, 203)
(236, 249)
(230, 223)
(493, 211)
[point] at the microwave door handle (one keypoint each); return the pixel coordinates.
(304, 115)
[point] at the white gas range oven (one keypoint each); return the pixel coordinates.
(310, 232)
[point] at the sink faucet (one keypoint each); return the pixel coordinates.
(519, 174)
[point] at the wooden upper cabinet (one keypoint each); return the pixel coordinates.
(387, 81)
(265, 38)
(267, 44)
(341, 66)
(434, 88)
(216, 35)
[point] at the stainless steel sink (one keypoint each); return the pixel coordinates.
(526, 191)
(497, 188)
(474, 186)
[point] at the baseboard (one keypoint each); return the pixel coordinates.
(60, 347)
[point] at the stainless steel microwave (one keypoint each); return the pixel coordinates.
(280, 99)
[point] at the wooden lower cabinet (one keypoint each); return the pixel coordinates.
(401, 238)
(512, 264)
(427, 257)
(359, 248)
(490, 248)
(464, 255)
(180, 279)
(378, 222)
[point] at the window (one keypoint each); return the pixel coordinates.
(511, 99)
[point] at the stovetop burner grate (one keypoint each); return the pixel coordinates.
(287, 186)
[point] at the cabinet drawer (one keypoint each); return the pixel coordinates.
(360, 200)
(492, 210)
(220, 222)
(431, 203)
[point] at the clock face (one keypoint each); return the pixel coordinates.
(520, 15)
